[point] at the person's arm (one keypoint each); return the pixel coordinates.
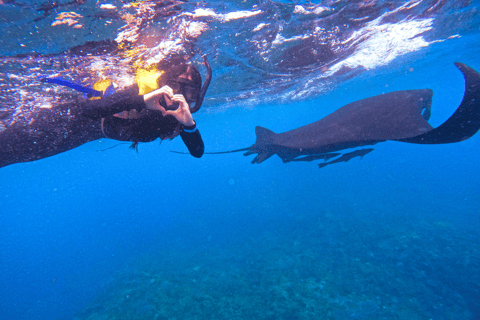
(193, 140)
(125, 100)
(190, 133)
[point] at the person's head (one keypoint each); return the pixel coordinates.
(184, 79)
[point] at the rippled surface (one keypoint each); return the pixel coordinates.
(260, 52)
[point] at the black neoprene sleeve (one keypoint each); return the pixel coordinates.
(194, 142)
(112, 104)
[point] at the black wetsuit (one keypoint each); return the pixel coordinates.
(67, 126)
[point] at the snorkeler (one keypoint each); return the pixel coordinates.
(125, 115)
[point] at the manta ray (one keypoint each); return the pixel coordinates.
(396, 116)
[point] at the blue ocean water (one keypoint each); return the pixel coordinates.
(115, 234)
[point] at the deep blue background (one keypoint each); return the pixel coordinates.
(67, 223)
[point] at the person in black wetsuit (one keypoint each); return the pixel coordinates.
(124, 115)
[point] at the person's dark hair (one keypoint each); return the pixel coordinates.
(190, 71)
(176, 71)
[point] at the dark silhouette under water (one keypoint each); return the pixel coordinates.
(123, 115)
(397, 116)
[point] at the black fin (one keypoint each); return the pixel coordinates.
(465, 122)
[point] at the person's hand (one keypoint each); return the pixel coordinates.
(182, 113)
(152, 99)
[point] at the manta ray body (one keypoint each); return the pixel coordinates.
(397, 116)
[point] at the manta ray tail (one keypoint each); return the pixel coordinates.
(264, 141)
(465, 122)
(219, 152)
